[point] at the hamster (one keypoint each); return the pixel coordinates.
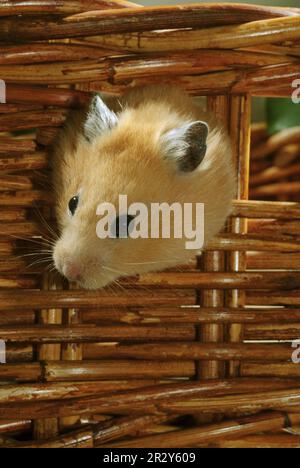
(154, 145)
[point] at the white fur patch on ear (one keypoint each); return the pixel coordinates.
(99, 119)
(186, 145)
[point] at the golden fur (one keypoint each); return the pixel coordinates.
(128, 160)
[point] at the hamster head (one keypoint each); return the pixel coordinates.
(150, 153)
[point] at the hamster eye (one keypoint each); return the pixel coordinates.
(73, 203)
(123, 225)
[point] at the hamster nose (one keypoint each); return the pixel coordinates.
(72, 271)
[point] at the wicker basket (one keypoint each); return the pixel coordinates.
(174, 358)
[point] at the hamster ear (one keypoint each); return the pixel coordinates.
(186, 146)
(99, 119)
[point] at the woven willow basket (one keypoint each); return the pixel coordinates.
(172, 359)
